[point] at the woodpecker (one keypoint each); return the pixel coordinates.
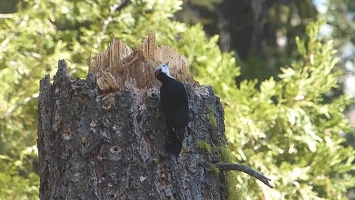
(174, 101)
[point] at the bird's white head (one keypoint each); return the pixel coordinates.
(163, 68)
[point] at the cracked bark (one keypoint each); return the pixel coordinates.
(102, 144)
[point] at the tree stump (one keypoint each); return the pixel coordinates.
(104, 137)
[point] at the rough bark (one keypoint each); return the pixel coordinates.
(108, 143)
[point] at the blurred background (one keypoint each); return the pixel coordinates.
(284, 71)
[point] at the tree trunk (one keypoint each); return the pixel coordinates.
(104, 137)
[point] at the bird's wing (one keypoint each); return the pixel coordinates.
(175, 104)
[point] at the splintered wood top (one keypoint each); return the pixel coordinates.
(120, 66)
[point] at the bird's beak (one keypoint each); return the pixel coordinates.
(167, 64)
(156, 72)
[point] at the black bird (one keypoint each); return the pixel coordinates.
(175, 108)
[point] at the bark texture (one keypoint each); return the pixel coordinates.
(98, 145)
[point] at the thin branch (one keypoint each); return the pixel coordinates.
(113, 9)
(245, 169)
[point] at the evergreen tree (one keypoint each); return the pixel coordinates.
(284, 129)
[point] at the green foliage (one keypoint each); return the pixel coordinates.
(32, 40)
(233, 186)
(287, 131)
(284, 129)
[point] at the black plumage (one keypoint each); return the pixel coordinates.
(175, 108)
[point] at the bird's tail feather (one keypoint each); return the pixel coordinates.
(174, 141)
